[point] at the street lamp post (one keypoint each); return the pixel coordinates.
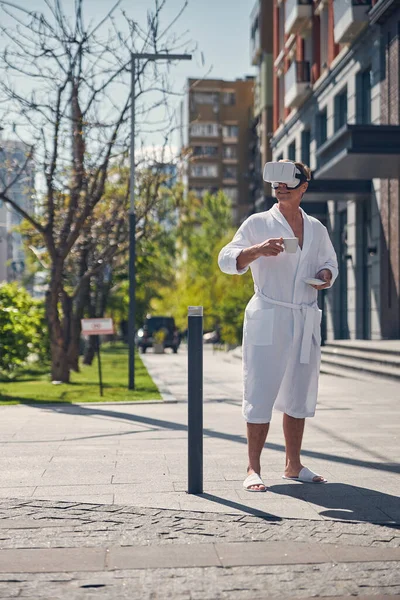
(132, 216)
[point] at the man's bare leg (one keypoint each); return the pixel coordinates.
(256, 436)
(293, 430)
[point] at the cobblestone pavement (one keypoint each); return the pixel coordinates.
(37, 524)
(93, 501)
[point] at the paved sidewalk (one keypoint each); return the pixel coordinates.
(94, 501)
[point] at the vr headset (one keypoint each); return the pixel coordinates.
(283, 172)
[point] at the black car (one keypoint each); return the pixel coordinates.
(145, 337)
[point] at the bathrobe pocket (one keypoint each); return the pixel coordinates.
(259, 327)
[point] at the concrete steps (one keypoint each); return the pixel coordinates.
(362, 359)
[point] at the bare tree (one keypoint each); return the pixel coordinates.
(71, 112)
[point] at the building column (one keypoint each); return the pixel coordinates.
(333, 49)
(316, 61)
(390, 188)
(275, 116)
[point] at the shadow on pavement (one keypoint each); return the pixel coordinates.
(345, 501)
(242, 507)
(174, 426)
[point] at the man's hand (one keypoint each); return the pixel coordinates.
(271, 247)
(326, 275)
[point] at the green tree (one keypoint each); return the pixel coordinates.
(22, 328)
(203, 227)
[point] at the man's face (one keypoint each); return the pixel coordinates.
(290, 195)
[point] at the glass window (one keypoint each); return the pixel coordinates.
(201, 192)
(230, 172)
(232, 194)
(324, 34)
(230, 131)
(204, 130)
(305, 146)
(281, 26)
(364, 97)
(205, 97)
(229, 152)
(322, 119)
(281, 98)
(292, 151)
(341, 109)
(205, 150)
(229, 98)
(204, 170)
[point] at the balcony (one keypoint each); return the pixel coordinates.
(297, 83)
(350, 18)
(298, 15)
(360, 152)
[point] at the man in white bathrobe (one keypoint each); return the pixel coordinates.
(282, 323)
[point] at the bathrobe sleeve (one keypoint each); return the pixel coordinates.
(327, 256)
(229, 253)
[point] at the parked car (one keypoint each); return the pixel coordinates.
(145, 337)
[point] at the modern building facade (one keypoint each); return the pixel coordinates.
(261, 56)
(12, 256)
(336, 108)
(219, 114)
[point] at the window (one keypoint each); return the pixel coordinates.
(232, 194)
(281, 98)
(229, 152)
(201, 192)
(230, 172)
(305, 146)
(292, 151)
(324, 35)
(229, 98)
(230, 131)
(281, 26)
(204, 130)
(280, 157)
(364, 97)
(205, 97)
(322, 119)
(341, 109)
(204, 170)
(205, 150)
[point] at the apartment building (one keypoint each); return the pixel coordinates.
(261, 56)
(219, 134)
(12, 256)
(336, 108)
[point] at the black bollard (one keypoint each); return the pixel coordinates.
(195, 399)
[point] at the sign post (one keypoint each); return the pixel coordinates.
(195, 399)
(98, 327)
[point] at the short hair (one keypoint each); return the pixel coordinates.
(304, 169)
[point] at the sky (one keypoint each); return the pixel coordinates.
(220, 31)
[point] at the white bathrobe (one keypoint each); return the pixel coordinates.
(282, 323)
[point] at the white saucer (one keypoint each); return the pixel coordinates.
(314, 281)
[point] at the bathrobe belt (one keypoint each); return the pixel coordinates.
(309, 320)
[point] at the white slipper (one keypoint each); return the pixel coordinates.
(306, 476)
(253, 479)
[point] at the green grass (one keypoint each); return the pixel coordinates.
(33, 383)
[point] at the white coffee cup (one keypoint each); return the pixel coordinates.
(290, 244)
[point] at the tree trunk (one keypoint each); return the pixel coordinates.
(74, 344)
(59, 363)
(58, 346)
